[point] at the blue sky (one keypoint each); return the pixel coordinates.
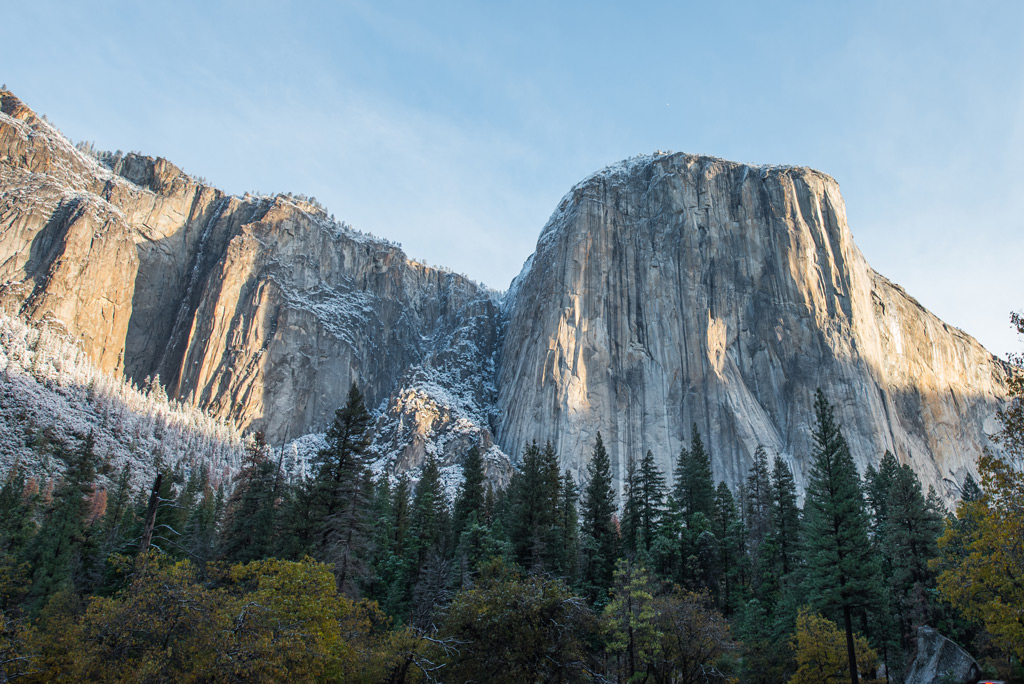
(455, 127)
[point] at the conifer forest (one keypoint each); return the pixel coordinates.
(341, 575)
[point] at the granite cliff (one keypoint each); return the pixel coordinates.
(260, 310)
(665, 291)
(674, 290)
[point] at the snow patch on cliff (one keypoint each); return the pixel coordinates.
(51, 397)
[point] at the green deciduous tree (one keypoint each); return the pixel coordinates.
(516, 629)
(629, 620)
(265, 621)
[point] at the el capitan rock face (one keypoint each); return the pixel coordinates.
(674, 290)
(665, 291)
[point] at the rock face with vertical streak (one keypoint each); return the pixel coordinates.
(674, 290)
(261, 310)
(665, 291)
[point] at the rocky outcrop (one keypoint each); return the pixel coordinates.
(940, 661)
(675, 290)
(260, 310)
(666, 291)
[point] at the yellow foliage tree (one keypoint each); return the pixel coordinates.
(288, 623)
(265, 621)
(982, 559)
(821, 656)
(15, 660)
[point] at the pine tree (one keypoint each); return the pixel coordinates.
(200, 534)
(599, 537)
(785, 518)
(427, 570)
(428, 528)
(63, 542)
(17, 512)
(694, 487)
(644, 505)
(250, 514)
(631, 503)
(876, 489)
(907, 540)
(694, 493)
(391, 576)
(338, 501)
(651, 483)
(970, 491)
(569, 527)
(729, 535)
(533, 521)
(471, 493)
(400, 505)
(841, 570)
(17, 529)
(114, 534)
(757, 517)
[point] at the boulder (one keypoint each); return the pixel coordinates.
(940, 661)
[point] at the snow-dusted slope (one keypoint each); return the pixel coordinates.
(261, 311)
(52, 396)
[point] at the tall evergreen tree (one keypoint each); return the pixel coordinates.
(785, 518)
(970, 490)
(428, 522)
(599, 537)
(876, 489)
(427, 545)
(200, 534)
(568, 515)
(17, 513)
(841, 570)
(471, 494)
(907, 540)
(115, 533)
(631, 503)
(248, 531)
(338, 501)
(533, 521)
(757, 516)
(400, 512)
(17, 528)
(63, 543)
(644, 505)
(652, 492)
(392, 583)
(729, 535)
(694, 487)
